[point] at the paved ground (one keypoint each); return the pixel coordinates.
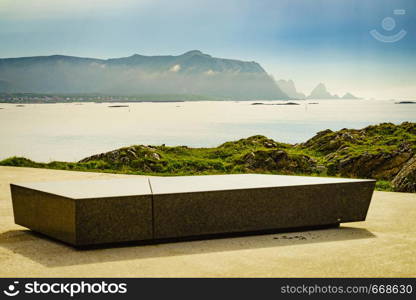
(382, 246)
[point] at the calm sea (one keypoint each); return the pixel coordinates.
(69, 132)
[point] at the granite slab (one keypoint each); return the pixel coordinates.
(86, 212)
(204, 205)
(94, 212)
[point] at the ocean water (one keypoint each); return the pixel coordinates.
(70, 132)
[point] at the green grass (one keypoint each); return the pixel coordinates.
(383, 185)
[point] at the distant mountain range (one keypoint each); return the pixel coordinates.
(192, 73)
(321, 92)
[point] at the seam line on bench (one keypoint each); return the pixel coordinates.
(152, 206)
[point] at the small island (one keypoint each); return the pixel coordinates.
(405, 102)
(116, 106)
(284, 103)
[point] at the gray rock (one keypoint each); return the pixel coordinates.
(405, 180)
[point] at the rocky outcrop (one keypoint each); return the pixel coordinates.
(125, 155)
(378, 151)
(327, 141)
(383, 165)
(405, 180)
(142, 158)
(278, 160)
(254, 141)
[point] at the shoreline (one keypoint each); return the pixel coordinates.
(303, 101)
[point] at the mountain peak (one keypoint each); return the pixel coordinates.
(320, 92)
(194, 52)
(288, 87)
(349, 96)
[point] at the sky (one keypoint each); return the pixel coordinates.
(308, 41)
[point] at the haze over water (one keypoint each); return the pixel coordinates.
(70, 132)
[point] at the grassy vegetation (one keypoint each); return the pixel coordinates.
(164, 160)
(346, 153)
(383, 185)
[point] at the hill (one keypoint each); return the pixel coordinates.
(385, 152)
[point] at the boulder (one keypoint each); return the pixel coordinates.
(383, 165)
(328, 141)
(278, 161)
(405, 180)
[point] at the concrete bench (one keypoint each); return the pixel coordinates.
(91, 212)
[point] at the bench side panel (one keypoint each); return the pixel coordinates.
(48, 214)
(214, 212)
(113, 219)
(354, 200)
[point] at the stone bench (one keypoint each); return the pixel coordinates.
(91, 212)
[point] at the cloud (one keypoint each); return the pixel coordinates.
(175, 68)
